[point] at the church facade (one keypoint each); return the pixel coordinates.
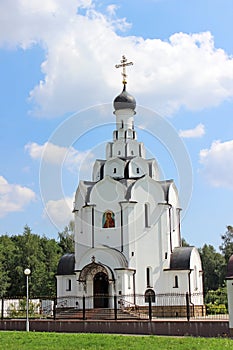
(127, 228)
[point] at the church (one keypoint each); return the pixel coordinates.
(127, 229)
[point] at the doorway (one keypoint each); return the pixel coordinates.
(101, 285)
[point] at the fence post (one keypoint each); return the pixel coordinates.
(115, 307)
(2, 312)
(54, 308)
(150, 308)
(187, 306)
(84, 308)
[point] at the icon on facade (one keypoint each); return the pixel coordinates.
(108, 219)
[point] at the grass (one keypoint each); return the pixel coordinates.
(63, 341)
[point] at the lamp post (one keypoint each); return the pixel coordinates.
(27, 272)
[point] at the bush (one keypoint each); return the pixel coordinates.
(216, 301)
(19, 311)
(213, 309)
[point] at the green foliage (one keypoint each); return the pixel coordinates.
(28, 250)
(218, 296)
(227, 243)
(213, 265)
(20, 311)
(216, 301)
(184, 243)
(66, 238)
(213, 309)
(4, 279)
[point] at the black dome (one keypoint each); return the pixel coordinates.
(124, 101)
(66, 265)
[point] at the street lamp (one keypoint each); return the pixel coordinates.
(27, 272)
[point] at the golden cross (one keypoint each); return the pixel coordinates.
(124, 64)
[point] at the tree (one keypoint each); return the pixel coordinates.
(40, 254)
(52, 253)
(7, 258)
(66, 238)
(227, 243)
(213, 264)
(184, 243)
(4, 279)
(29, 254)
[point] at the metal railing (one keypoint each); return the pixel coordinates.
(117, 307)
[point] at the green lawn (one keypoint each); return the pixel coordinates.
(57, 341)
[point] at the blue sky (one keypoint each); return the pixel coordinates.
(58, 81)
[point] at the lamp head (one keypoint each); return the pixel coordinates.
(27, 272)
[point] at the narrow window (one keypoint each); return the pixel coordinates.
(119, 152)
(146, 210)
(122, 124)
(68, 285)
(176, 285)
(132, 153)
(129, 282)
(137, 170)
(132, 254)
(165, 255)
(114, 170)
(140, 150)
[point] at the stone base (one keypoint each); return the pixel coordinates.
(176, 311)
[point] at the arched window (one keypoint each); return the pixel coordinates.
(108, 219)
(176, 282)
(195, 278)
(147, 214)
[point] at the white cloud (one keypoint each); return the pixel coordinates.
(111, 9)
(83, 47)
(58, 155)
(198, 131)
(217, 164)
(60, 211)
(13, 197)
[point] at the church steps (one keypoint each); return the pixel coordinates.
(98, 314)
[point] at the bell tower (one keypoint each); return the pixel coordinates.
(125, 143)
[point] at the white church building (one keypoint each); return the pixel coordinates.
(127, 229)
